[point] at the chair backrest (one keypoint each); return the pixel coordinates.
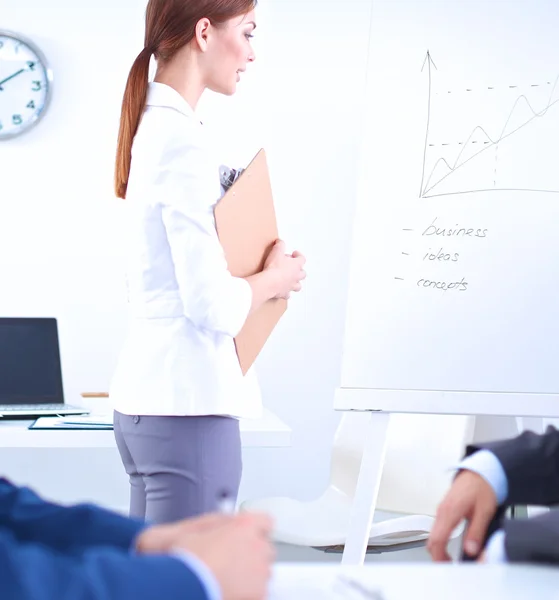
(421, 453)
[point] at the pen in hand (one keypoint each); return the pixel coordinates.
(226, 504)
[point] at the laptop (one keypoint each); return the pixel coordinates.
(30, 369)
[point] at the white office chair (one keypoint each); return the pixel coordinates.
(421, 451)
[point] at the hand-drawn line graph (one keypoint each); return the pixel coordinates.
(520, 155)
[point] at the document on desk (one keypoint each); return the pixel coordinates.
(74, 422)
(334, 587)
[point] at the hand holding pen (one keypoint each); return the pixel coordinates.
(236, 548)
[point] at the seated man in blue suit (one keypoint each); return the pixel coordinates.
(50, 552)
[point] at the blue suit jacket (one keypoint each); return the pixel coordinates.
(50, 552)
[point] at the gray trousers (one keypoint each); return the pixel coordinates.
(178, 466)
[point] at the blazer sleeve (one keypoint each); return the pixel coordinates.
(35, 572)
(212, 297)
(531, 464)
(64, 529)
(534, 540)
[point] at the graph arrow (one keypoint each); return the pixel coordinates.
(430, 64)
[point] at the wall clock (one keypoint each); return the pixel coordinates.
(25, 84)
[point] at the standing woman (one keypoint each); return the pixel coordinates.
(178, 390)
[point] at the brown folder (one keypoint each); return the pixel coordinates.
(247, 229)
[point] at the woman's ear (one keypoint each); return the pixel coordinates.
(202, 33)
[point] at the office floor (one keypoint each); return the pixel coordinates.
(287, 553)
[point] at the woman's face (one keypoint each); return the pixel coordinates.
(229, 51)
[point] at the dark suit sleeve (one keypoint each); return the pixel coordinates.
(35, 572)
(534, 540)
(531, 464)
(66, 529)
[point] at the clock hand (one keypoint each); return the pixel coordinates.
(11, 77)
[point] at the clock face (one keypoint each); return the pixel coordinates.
(25, 85)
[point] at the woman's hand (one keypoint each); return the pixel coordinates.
(288, 269)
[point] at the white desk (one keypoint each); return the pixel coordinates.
(426, 581)
(71, 466)
(268, 432)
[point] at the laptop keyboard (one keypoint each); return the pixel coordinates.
(6, 408)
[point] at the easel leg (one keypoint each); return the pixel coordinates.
(366, 493)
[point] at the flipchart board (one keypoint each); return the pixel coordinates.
(247, 229)
(453, 298)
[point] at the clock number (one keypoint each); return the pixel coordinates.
(1, 126)
(17, 120)
(37, 87)
(1, 45)
(31, 105)
(31, 65)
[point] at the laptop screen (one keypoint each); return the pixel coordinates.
(30, 371)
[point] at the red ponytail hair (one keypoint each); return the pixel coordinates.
(170, 25)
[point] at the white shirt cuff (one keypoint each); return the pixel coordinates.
(495, 552)
(486, 464)
(206, 577)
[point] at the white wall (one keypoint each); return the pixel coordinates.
(59, 238)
